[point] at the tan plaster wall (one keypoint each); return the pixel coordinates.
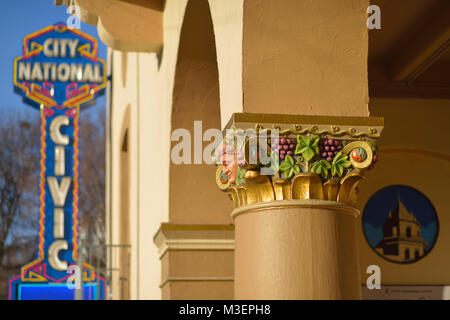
(197, 263)
(305, 57)
(194, 197)
(139, 27)
(189, 290)
(288, 63)
(413, 151)
(205, 274)
(227, 19)
(124, 220)
(124, 96)
(145, 82)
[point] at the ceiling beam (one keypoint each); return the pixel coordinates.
(424, 45)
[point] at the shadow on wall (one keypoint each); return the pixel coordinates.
(194, 196)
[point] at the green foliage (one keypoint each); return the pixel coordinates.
(373, 146)
(289, 167)
(307, 146)
(240, 176)
(340, 162)
(274, 162)
(321, 168)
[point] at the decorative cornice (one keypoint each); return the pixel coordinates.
(194, 237)
(311, 157)
(240, 118)
(324, 126)
(195, 244)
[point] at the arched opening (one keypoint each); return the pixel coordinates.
(124, 220)
(194, 197)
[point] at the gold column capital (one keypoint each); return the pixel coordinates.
(271, 157)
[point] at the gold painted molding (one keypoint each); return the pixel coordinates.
(325, 126)
(237, 118)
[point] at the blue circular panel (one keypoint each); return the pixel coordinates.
(400, 224)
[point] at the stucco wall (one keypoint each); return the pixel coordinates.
(193, 194)
(305, 57)
(147, 87)
(413, 151)
(227, 17)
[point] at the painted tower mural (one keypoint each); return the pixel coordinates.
(402, 240)
(400, 224)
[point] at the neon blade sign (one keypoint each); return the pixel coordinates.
(59, 72)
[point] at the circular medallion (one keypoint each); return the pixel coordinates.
(359, 154)
(400, 224)
(222, 179)
(359, 161)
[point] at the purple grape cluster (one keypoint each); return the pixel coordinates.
(284, 147)
(374, 160)
(329, 148)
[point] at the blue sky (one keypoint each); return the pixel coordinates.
(19, 18)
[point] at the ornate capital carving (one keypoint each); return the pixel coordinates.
(269, 157)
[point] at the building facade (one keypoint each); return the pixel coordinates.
(176, 62)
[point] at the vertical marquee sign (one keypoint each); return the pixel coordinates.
(58, 72)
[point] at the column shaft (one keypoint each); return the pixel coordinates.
(296, 252)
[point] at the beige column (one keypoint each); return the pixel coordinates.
(295, 225)
(298, 249)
